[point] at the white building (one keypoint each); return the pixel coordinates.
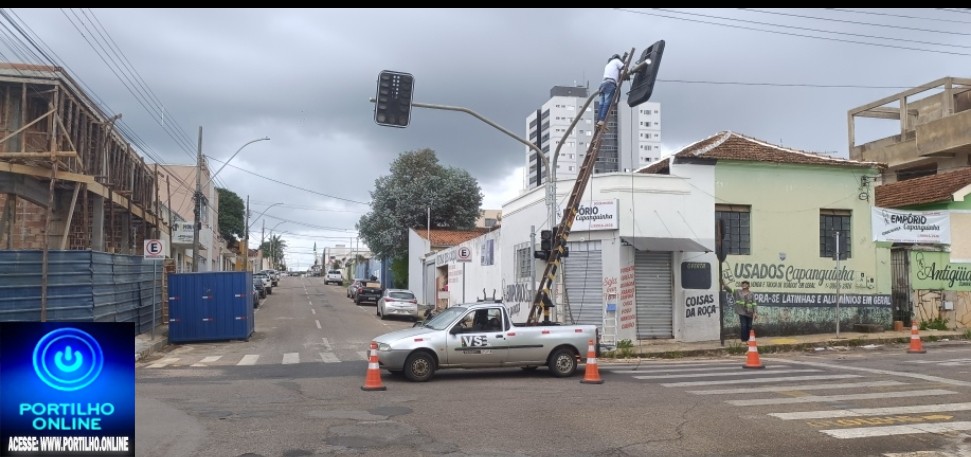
(641, 263)
(182, 179)
(632, 141)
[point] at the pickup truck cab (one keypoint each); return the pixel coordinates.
(481, 335)
(334, 277)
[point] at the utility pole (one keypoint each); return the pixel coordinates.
(198, 206)
(244, 247)
(262, 240)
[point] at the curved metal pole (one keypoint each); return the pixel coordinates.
(261, 215)
(266, 138)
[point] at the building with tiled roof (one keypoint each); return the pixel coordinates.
(940, 188)
(441, 238)
(781, 209)
(728, 145)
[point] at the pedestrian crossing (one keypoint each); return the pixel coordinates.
(286, 358)
(811, 387)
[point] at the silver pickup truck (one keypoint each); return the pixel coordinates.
(481, 335)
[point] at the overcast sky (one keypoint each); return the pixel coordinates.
(304, 79)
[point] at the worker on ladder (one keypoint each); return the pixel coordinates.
(615, 65)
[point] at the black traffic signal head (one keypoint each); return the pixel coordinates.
(392, 105)
(642, 84)
(542, 255)
(546, 240)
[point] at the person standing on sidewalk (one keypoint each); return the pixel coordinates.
(745, 307)
(609, 85)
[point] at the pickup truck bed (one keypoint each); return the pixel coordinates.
(481, 335)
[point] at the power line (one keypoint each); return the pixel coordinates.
(288, 184)
(872, 24)
(840, 40)
(875, 13)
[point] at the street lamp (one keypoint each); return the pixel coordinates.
(245, 247)
(272, 250)
(198, 195)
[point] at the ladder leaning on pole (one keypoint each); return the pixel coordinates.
(543, 301)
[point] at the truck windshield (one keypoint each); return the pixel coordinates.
(445, 318)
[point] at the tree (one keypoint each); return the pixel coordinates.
(231, 213)
(274, 248)
(401, 200)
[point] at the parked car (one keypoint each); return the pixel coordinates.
(370, 292)
(274, 276)
(398, 302)
(355, 285)
(267, 282)
(334, 277)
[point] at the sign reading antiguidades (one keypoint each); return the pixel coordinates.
(68, 389)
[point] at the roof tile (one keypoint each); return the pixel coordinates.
(926, 189)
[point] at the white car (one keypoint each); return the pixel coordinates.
(334, 277)
(398, 302)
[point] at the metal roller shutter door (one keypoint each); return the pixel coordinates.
(583, 279)
(655, 306)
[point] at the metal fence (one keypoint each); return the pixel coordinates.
(82, 286)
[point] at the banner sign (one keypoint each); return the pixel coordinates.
(911, 226)
(593, 215)
(182, 233)
(68, 389)
(934, 271)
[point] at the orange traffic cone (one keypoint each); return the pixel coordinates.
(592, 373)
(373, 379)
(753, 360)
(915, 345)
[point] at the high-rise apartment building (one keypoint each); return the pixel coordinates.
(633, 139)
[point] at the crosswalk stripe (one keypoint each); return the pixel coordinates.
(163, 363)
(887, 411)
(327, 345)
(825, 398)
(845, 385)
(888, 430)
(760, 380)
(206, 360)
(291, 357)
(329, 357)
(925, 377)
(318, 323)
(362, 355)
(737, 372)
(249, 359)
(682, 370)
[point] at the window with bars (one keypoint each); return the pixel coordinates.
(831, 221)
(737, 221)
(523, 257)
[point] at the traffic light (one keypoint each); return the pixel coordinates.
(546, 240)
(392, 105)
(642, 84)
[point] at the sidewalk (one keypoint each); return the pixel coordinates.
(670, 349)
(145, 345)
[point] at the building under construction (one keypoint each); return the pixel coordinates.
(76, 203)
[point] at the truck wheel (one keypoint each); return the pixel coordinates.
(562, 363)
(419, 367)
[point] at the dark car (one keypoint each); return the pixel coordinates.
(370, 292)
(355, 285)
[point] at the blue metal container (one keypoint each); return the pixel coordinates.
(210, 306)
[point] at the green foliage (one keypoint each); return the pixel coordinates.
(231, 211)
(967, 334)
(937, 323)
(624, 344)
(275, 249)
(401, 200)
(399, 270)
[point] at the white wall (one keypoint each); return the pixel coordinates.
(467, 280)
(417, 248)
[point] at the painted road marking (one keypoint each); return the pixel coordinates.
(882, 372)
(825, 398)
(329, 357)
(363, 355)
(760, 380)
(327, 344)
(318, 322)
(835, 413)
(845, 385)
(870, 432)
(313, 311)
(163, 363)
(249, 359)
(733, 373)
(206, 360)
(291, 357)
(683, 370)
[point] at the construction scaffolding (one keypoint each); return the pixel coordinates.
(68, 179)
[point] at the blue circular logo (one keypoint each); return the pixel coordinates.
(68, 359)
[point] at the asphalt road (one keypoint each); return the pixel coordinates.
(294, 389)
